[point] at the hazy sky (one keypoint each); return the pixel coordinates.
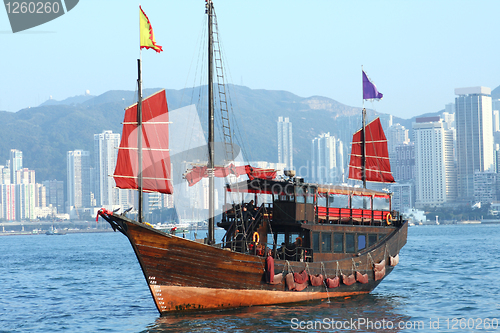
(416, 52)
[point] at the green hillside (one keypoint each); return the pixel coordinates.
(46, 133)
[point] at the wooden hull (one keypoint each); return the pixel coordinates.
(176, 298)
(184, 275)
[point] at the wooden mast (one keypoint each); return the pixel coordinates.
(363, 158)
(139, 139)
(363, 136)
(211, 183)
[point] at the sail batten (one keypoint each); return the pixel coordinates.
(156, 173)
(194, 175)
(133, 177)
(377, 166)
(149, 123)
(135, 148)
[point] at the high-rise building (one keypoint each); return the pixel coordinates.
(105, 155)
(16, 163)
(285, 143)
(449, 118)
(403, 196)
(24, 176)
(327, 159)
(24, 180)
(474, 136)
(385, 120)
(40, 196)
(78, 168)
(341, 161)
(397, 134)
(495, 104)
(8, 198)
(434, 164)
(485, 186)
(4, 174)
(496, 121)
(25, 201)
(403, 162)
(450, 109)
(55, 194)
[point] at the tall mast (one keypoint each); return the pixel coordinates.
(363, 157)
(363, 138)
(139, 139)
(211, 183)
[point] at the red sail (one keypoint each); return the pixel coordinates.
(378, 168)
(194, 175)
(156, 172)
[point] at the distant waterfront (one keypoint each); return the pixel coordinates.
(82, 226)
(448, 222)
(75, 227)
(40, 227)
(42, 232)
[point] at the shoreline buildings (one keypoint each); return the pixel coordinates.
(106, 193)
(474, 136)
(434, 165)
(285, 143)
(78, 169)
(21, 198)
(327, 159)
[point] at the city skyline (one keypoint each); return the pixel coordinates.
(436, 142)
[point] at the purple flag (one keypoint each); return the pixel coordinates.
(369, 89)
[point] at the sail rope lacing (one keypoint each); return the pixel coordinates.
(323, 270)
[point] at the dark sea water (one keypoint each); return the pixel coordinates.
(93, 283)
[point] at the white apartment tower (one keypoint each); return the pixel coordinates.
(105, 155)
(397, 134)
(16, 163)
(24, 180)
(285, 144)
(434, 166)
(327, 159)
(78, 168)
(496, 121)
(474, 136)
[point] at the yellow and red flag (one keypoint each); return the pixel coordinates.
(146, 32)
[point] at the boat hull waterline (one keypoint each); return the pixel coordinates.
(184, 275)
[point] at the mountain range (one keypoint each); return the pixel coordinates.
(46, 133)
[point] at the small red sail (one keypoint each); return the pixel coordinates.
(156, 171)
(194, 175)
(378, 168)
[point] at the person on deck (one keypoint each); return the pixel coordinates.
(281, 254)
(292, 249)
(250, 206)
(247, 217)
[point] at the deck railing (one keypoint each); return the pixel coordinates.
(355, 216)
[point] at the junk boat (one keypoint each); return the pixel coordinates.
(306, 242)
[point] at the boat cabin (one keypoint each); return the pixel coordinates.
(301, 221)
